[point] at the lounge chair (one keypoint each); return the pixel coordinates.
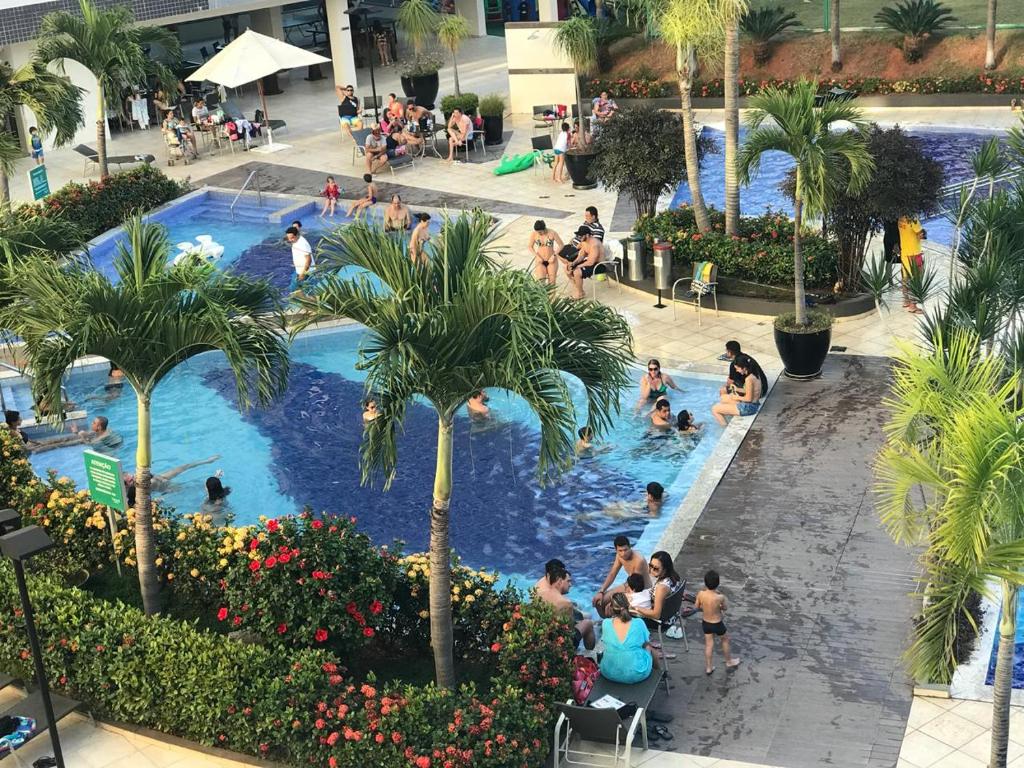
(91, 156)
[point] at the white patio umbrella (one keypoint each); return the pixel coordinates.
(252, 56)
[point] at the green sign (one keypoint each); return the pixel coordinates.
(105, 484)
(39, 183)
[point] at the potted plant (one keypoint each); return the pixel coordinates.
(451, 31)
(492, 110)
(467, 102)
(576, 39)
(826, 161)
(419, 21)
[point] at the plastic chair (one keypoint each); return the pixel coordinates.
(703, 282)
(545, 146)
(600, 725)
(609, 264)
(671, 608)
(359, 148)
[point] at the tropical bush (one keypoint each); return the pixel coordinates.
(640, 86)
(763, 25)
(97, 206)
(467, 102)
(916, 20)
(762, 252)
(492, 105)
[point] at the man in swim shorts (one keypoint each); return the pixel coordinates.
(348, 109)
(588, 256)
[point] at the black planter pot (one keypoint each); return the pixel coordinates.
(494, 129)
(578, 165)
(803, 354)
(423, 88)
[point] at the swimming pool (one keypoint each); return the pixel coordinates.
(953, 149)
(304, 450)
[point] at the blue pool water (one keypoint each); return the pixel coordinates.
(1018, 651)
(304, 450)
(953, 149)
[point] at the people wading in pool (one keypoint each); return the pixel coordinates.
(655, 384)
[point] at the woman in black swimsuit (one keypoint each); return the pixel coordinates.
(544, 244)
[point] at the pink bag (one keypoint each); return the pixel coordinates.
(584, 676)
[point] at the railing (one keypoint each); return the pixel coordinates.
(7, 366)
(951, 190)
(259, 193)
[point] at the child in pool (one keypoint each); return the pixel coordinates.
(685, 423)
(331, 193)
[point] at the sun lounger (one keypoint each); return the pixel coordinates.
(91, 156)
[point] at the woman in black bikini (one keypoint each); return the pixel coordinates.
(544, 244)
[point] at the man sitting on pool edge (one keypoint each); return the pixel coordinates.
(552, 588)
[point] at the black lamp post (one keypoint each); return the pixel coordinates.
(360, 13)
(20, 544)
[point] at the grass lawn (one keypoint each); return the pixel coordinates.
(860, 13)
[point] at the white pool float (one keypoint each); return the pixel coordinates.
(205, 249)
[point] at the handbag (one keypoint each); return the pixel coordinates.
(584, 675)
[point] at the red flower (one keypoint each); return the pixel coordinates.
(376, 607)
(495, 647)
(320, 635)
(273, 526)
(368, 631)
(222, 614)
(422, 762)
(254, 565)
(332, 762)
(379, 738)
(236, 621)
(282, 628)
(270, 562)
(284, 557)
(316, 525)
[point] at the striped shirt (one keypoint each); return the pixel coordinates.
(596, 231)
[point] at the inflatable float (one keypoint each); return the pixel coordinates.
(204, 248)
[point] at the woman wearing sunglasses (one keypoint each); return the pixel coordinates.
(666, 582)
(654, 383)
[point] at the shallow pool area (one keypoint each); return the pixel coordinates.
(304, 449)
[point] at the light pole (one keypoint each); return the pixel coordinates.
(20, 544)
(360, 13)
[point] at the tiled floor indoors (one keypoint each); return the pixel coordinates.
(940, 733)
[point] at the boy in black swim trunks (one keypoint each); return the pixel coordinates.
(713, 604)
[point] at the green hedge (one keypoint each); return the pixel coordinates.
(761, 253)
(98, 206)
(647, 87)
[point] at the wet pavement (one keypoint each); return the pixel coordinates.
(820, 597)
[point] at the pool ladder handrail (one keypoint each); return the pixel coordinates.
(259, 192)
(983, 181)
(7, 366)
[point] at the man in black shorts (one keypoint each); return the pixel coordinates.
(584, 261)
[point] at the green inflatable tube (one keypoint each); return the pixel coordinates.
(515, 163)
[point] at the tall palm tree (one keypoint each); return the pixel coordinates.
(949, 477)
(445, 330)
(789, 121)
(154, 317)
(732, 12)
(452, 30)
(576, 39)
(834, 31)
(107, 43)
(990, 36)
(54, 101)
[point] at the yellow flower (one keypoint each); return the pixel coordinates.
(159, 561)
(455, 590)
(182, 536)
(170, 577)
(455, 598)
(411, 574)
(470, 598)
(194, 573)
(424, 614)
(223, 562)
(478, 592)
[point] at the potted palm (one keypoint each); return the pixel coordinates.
(826, 160)
(492, 110)
(451, 31)
(419, 21)
(576, 39)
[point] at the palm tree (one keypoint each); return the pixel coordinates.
(949, 477)
(108, 44)
(445, 330)
(833, 24)
(22, 236)
(418, 20)
(576, 39)
(154, 317)
(789, 121)
(990, 36)
(732, 12)
(54, 101)
(452, 30)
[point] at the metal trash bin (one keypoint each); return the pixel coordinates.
(635, 248)
(662, 269)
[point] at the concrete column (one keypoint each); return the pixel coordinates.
(343, 58)
(547, 10)
(268, 21)
(475, 14)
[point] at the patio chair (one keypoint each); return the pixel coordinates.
(476, 139)
(703, 282)
(671, 609)
(359, 148)
(369, 103)
(545, 147)
(272, 125)
(610, 264)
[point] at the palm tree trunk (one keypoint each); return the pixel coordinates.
(732, 126)
(798, 260)
(101, 131)
(990, 36)
(684, 73)
(455, 70)
(5, 192)
(1003, 677)
(599, 9)
(833, 23)
(579, 112)
(441, 559)
(145, 549)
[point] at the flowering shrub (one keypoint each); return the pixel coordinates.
(478, 609)
(20, 489)
(97, 206)
(762, 252)
(649, 88)
(303, 581)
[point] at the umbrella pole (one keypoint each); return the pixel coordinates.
(266, 116)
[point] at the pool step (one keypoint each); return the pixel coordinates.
(243, 213)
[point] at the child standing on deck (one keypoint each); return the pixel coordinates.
(713, 605)
(37, 146)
